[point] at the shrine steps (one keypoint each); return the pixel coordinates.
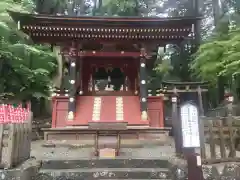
(108, 110)
(104, 163)
(106, 173)
(119, 168)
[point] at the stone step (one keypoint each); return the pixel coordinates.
(103, 173)
(105, 163)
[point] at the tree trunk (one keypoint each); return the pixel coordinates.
(221, 89)
(216, 11)
(216, 16)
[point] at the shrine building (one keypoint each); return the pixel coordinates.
(106, 61)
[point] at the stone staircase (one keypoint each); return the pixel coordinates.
(111, 169)
(108, 109)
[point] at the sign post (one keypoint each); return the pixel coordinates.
(191, 140)
(175, 126)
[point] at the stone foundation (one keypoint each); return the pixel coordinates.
(124, 169)
(27, 171)
(220, 171)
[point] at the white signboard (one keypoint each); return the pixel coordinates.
(190, 126)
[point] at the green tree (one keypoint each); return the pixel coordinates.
(26, 69)
(218, 59)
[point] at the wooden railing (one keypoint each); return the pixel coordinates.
(221, 138)
(15, 143)
(222, 111)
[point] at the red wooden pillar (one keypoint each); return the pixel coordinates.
(85, 76)
(59, 111)
(132, 73)
(137, 87)
(54, 112)
(72, 89)
(91, 76)
(155, 111)
(125, 72)
(79, 83)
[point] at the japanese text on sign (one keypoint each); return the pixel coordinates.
(190, 126)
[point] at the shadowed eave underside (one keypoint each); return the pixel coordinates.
(146, 22)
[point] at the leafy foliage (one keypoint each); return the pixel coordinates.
(25, 69)
(119, 8)
(219, 57)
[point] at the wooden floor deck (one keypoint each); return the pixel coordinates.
(84, 133)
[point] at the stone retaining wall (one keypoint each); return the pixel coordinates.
(30, 171)
(27, 171)
(226, 171)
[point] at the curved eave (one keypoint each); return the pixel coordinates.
(109, 21)
(55, 29)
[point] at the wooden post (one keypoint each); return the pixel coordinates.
(201, 124)
(176, 126)
(232, 149)
(72, 92)
(202, 139)
(118, 143)
(143, 84)
(24, 141)
(96, 143)
(10, 143)
(200, 100)
(16, 145)
(94, 70)
(222, 139)
(63, 75)
(212, 140)
(191, 140)
(125, 84)
(80, 73)
(29, 135)
(1, 141)
(194, 166)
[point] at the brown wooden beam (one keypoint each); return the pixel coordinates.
(56, 40)
(181, 91)
(184, 83)
(165, 33)
(104, 54)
